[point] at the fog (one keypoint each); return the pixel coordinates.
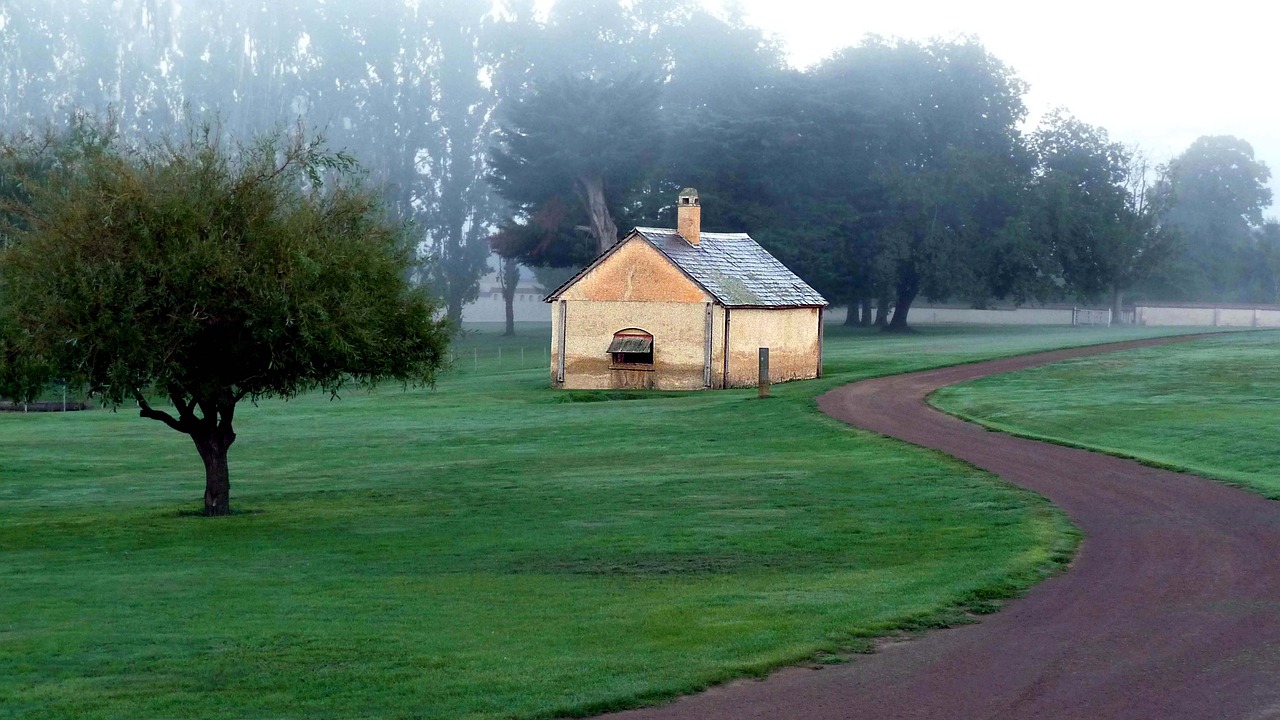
(884, 152)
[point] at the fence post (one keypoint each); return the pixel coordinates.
(764, 372)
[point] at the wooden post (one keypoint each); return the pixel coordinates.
(706, 350)
(820, 331)
(764, 372)
(564, 316)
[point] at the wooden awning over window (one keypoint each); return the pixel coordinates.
(630, 344)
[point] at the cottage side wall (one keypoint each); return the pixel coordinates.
(791, 334)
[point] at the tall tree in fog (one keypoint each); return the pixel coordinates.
(1093, 212)
(58, 56)
(932, 130)
(1216, 192)
(402, 84)
(1078, 202)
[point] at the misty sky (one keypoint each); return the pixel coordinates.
(1155, 74)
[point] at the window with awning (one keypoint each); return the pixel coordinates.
(632, 347)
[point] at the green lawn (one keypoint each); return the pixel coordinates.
(1209, 406)
(492, 548)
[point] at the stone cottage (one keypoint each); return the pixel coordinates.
(683, 310)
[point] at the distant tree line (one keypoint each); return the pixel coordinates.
(894, 170)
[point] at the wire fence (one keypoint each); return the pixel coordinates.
(499, 358)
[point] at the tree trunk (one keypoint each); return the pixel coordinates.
(510, 302)
(882, 311)
(1117, 304)
(212, 434)
(602, 225)
(213, 448)
(453, 311)
(865, 320)
(851, 316)
(906, 295)
(509, 281)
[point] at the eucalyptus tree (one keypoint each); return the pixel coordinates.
(404, 84)
(1091, 215)
(413, 91)
(1079, 203)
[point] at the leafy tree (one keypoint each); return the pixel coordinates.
(209, 273)
(949, 161)
(1268, 265)
(1150, 245)
(1092, 211)
(1215, 194)
(1079, 201)
(648, 80)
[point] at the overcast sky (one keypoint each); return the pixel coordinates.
(1158, 75)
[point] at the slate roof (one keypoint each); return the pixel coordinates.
(732, 267)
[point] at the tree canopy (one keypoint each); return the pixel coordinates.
(1215, 192)
(894, 169)
(206, 272)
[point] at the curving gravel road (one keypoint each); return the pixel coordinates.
(1171, 608)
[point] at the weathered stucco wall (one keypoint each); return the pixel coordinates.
(678, 331)
(791, 334)
(967, 316)
(636, 272)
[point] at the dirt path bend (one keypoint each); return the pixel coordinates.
(1170, 610)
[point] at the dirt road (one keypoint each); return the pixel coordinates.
(1170, 610)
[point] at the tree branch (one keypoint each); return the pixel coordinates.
(177, 397)
(146, 411)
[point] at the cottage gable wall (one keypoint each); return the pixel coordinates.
(635, 272)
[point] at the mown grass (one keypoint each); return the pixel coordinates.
(1209, 406)
(491, 548)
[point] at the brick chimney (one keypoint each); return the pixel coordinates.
(689, 216)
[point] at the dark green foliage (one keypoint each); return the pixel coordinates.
(899, 163)
(1091, 212)
(593, 139)
(209, 273)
